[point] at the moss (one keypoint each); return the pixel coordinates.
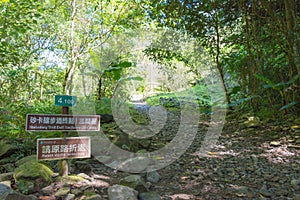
(4, 148)
(33, 169)
(72, 179)
(89, 194)
(26, 159)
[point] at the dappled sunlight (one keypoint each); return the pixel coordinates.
(182, 197)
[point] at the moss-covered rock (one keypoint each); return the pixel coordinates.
(132, 181)
(26, 159)
(70, 180)
(62, 192)
(32, 176)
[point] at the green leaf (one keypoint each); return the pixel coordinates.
(293, 79)
(288, 105)
(265, 79)
(124, 64)
(119, 66)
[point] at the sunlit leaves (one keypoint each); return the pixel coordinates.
(17, 19)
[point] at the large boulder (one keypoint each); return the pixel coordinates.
(119, 192)
(24, 160)
(7, 193)
(32, 176)
(6, 176)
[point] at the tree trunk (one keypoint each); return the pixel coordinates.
(67, 84)
(219, 67)
(99, 89)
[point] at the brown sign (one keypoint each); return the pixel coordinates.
(62, 148)
(44, 122)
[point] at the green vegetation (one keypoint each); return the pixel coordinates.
(34, 175)
(198, 94)
(91, 49)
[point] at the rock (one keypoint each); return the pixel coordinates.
(145, 143)
(62, 192)
(243, 191)
(254, 159)
(134, 165)
(149, 196)
(264, 191)
(132, 181)
(6, 176)
(8, 183)
(25, 160)
(296, 197)
(153, 177)
(7, 193)
(70, 197)
(85, 176)
(76, 191)
(72, 180)
(94, 197)
(119, 192)
(103, 159)
(275, 143)
(4, 190)
(99, 184)
(47, 190)
(32, 176)
(17, 196)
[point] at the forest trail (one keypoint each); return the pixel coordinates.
(261, 162)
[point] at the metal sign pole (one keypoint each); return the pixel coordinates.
(64, 167)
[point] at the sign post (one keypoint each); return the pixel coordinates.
(65, 100)
(70, 123)
(64, 147)
(64, 163)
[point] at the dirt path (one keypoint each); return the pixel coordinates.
(245, 163)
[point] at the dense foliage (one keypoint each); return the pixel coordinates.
(255, 45)
(45, 45)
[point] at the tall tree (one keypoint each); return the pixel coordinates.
(88, 26)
